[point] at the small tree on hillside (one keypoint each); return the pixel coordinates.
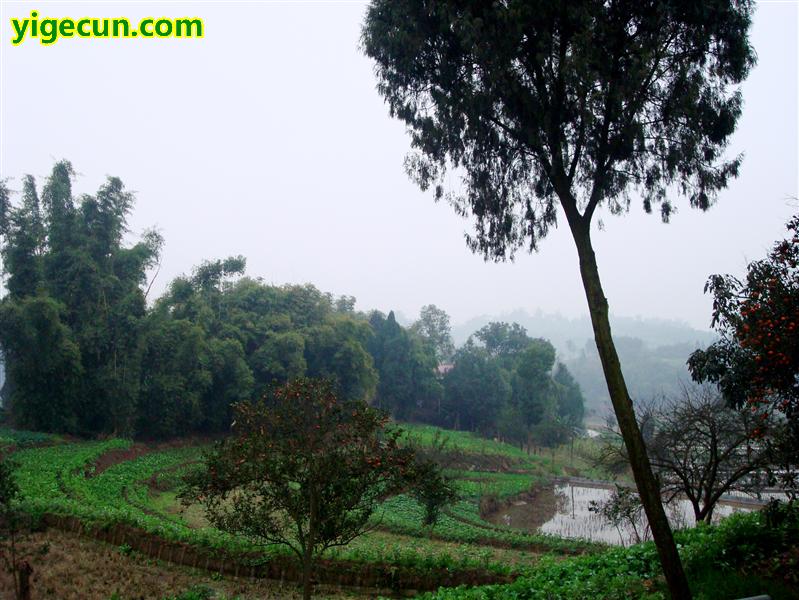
(623, 510)
(305, 470)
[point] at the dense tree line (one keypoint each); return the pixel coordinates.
(406, 367)
(72, 324)
(505, 383)
(84, 354)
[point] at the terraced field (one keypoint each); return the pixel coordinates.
(141, 491)
(120, 489)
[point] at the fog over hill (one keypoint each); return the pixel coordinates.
(569, 335)
(652, 351)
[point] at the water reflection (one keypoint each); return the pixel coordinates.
(563, 510)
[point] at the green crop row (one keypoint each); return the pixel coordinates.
(423, 555)
(45, 474)
(475, 484)
(460, 441)
(24, 439)
(568, 458)
(53, 480)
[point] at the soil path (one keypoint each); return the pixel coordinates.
(67, 566)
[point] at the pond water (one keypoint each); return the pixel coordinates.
(563, 510)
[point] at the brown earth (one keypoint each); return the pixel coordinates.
(75, 568)
(115, 457)
(527, 511)
(120, 455)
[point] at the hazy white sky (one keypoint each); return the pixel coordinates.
(267, 138)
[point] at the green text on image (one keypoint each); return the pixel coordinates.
(49, 30)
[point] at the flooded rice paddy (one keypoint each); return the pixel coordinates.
(562, 509)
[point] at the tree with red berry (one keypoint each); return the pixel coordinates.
(756, 361)
(305, 469)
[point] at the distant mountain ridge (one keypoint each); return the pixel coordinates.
(569, 335)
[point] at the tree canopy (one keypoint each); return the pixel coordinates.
(700, 447)
(755, 362)
(75, 305)
(535, 104)
(434, 327)
(577, 102)
(407, 388)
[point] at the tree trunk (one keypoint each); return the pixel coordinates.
(306, 576)
(24, 571)
(698, 512)
(645, 481)
(308, 557)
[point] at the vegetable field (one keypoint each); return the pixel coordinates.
(62, 478)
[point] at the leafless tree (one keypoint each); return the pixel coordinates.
(700, 448)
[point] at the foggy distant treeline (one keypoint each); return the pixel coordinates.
(653, 352)
(650, 372)
(505, 383)
(569, 335)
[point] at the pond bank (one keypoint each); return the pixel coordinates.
(563, 508)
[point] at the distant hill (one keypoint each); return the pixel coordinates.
(649, 372)
(569, 335)
(652, 351)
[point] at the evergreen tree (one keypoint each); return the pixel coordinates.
(406, 369)
(541, 106)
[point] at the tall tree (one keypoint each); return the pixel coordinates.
(175, 377)
(43, 365)
(571, 404)
(539, 103)
(475, 390)
(23, 234)
(434, 327)
(756, 361)
(534, 391)
(405, 368)
(505, 341)
(75, 296)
